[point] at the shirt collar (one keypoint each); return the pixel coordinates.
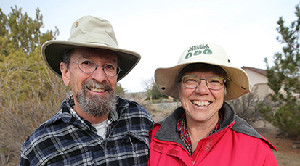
(184, 134)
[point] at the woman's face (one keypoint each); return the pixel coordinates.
(201, 104)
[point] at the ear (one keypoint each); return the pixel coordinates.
(65, 73)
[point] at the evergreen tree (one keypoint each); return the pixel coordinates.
(29, 92)
(21, 65)
(156, 93)
(284, 78)
(120, 90)
(153, 91)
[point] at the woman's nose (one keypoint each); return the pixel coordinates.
(202, 87)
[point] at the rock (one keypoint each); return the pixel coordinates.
(295, 146)
(258, 124)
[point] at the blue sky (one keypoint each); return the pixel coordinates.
(161, 30)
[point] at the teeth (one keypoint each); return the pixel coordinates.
(97, 89)
(201, 103)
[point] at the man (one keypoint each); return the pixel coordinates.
(93, 126)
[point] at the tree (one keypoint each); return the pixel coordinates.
(284, 79)
(156, 94)
(247, 106)
(120, 90)
(29, 91)
(20, 58)
(152, 90)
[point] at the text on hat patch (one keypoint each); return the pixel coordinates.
(197, 50)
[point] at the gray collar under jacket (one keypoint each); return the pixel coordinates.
(168, 129)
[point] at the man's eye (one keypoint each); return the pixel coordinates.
(87, 63)
(110, 67)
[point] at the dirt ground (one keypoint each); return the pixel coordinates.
(288, 150)
(285, 155)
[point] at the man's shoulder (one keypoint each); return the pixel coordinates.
(123, 102)
(44, 129)
(51, 127)
(128, 109)
(130, 105)
(37, 141)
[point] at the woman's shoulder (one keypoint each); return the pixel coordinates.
(241, 126)
(248, 133)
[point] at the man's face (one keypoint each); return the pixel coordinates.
(93, 90)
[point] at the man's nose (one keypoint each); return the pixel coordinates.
(99, 74)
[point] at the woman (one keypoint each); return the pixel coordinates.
(206, 130)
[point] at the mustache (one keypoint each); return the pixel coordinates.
(93, 83)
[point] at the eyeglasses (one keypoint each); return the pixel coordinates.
(214, 82)
(88, 66)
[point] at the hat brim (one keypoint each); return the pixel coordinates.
(53, 52)
(165, 79)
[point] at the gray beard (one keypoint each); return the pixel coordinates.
(93, 104)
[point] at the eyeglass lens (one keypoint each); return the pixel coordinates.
(213, 82)
(88, 66)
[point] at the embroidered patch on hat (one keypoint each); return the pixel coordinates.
(197, 50)
(76, 24)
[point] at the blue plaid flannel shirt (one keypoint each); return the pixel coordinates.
(68, 139)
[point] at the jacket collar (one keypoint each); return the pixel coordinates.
(168, 131)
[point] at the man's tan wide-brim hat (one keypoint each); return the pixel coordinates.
(165, 78)
(91, 32)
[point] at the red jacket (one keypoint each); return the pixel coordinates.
(235, 144)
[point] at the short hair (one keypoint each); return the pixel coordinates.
(67, 56)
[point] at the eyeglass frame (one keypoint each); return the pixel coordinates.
(206, 81)
(118, 69)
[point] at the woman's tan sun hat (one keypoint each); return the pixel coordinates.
(165, 78)
(91, 32)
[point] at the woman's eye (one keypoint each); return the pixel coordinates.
(190, 80)
(217, 81)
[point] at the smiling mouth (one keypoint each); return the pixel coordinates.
(95, 89)
(201, 103)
